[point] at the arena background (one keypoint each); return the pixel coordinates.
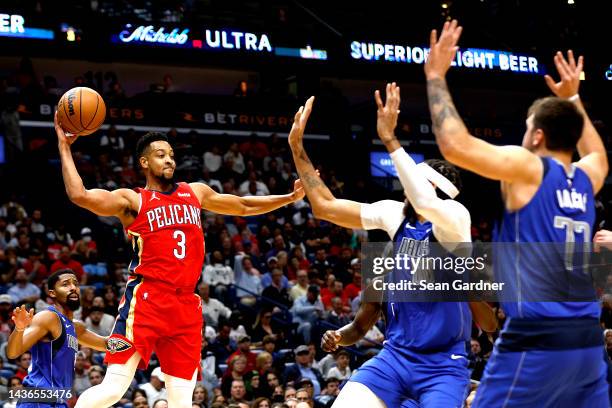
(226, 72)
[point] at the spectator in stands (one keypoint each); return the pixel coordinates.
(306, 310)
(200, 395)
(155, 387)
(6, 308)
(315, 240)
(23, 291)
(213, 159)
(244, 349)
(66, 262)
(212, 309)
(301, 286)
(23, 363)
(15, 383)
(303, 369)
(329, 393)
(336, 291)
(254, 148)
(218, 275)
(236, 157)
(111, 142)
(99, 322)
(36, 269)
(236, 370)
(342, 371)
(321, 264)
(353, 289)
(263, 326)
(95, 375)
(262, 402)
(260, 188)
(304, 395)
(223, 346)
(139, 401)
(337, 316)
(97, 272)
(213, 183)
(238, 392)
(21, 243)
(476, 362)
(248, 283)
(266, 278)
(263, 362)
(275, 294)
(81, 377)
(160, 403)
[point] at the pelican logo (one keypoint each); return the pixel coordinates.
(116, 344)
(71, 97)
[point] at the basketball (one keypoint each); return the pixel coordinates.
(81, 111)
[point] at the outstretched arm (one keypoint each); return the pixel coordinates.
(101, 202)
(88, 338)
(450, 219)
(457, 145)
(244, 206)
(325, 206)
(29, 329)
(593, 156)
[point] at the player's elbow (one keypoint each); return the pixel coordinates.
(322, 209)
(12, 354)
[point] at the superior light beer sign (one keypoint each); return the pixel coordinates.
(471, 58)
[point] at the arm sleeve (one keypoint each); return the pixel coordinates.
(386, 215)
(450, 218)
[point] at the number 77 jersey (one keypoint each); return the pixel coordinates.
(547, 262)
(167, 236)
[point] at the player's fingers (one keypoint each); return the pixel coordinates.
(580, 65)
(564, 65)
(307, 109)
(378, 99)
(433, 38)
(570, 59)
(549, 81)
(560, 67)
(457, 34)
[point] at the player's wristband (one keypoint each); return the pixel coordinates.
(16, 329)
(574, 98)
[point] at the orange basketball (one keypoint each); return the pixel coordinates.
(81, 111)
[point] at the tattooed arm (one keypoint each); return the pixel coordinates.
(325, 206)
(457, 145)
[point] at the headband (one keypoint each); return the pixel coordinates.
(438, 179)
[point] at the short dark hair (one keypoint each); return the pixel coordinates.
(560, 120)
(54, 277)
(145, 141)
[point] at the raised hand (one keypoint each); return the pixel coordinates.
(442, 51)
(296, 135)
(569, 72)
(387, 113)
(22, 318)
(62, 137)
(330, 340)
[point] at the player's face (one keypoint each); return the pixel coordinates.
(160, 161)
(67, 291)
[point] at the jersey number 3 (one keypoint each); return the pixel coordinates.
(179, 252)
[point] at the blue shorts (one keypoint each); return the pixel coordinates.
(544, 373)
(409, 379)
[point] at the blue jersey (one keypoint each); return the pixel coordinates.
(53, 361)
(423, 326)
(561, 212)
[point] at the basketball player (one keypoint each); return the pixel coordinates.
(423, 361)
(549, 353)
(159, 311)
(53, 339)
